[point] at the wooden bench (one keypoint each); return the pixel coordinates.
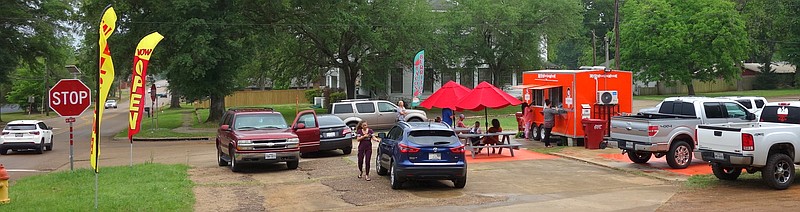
(505, 142)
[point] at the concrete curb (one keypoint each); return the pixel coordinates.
(167, 139)
(655, 176)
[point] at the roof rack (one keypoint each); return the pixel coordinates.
(353, 100)
(251, 109)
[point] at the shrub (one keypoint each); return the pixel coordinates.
(338, 96)
(311, 93)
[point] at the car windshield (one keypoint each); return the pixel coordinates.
(111, 101)
(21, 127)
(259, 121)
(329, 121)
(432, 137)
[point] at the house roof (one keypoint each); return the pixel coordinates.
(778, 67)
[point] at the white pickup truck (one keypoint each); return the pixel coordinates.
(769, 146)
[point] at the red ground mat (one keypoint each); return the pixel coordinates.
(697, 167)
(521, 154)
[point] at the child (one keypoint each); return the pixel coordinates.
(476, 129)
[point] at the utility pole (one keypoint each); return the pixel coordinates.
(594, 50)
(616, 34)
(606, 40)
(45, 96)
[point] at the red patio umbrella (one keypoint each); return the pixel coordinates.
(446, 97)
(484, 96)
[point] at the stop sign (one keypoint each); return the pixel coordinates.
(70, 97)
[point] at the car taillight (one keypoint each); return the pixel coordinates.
(34, 132)
(747, 142)
(407, 149)
(346, 131)
(652, 130)
(459, 149)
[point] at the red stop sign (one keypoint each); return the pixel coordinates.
(70, 97)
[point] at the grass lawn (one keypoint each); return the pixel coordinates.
(505, 115)
(168, 119)
(764, 93)
(8, 117)
(145, 187)
(705, 181)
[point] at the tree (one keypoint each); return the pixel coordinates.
(767, 24)
(360, 37)
(670, 42)
(508, 35)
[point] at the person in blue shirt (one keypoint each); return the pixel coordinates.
(447, 116)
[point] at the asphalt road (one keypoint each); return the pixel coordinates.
(26, 163)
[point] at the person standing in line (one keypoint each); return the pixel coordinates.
(527, 120)
(364, 137)
(447, 116)
(550, 120)
(401, 111)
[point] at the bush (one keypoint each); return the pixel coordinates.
(338, 96)
(311, 93)
(766, 81)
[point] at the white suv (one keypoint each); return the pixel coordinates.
(26, 134)
(111, 104)
(754, 104)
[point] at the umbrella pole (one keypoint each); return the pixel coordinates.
(486, 120)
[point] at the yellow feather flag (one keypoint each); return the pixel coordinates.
(106, 77)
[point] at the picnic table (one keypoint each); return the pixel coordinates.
(505, 142)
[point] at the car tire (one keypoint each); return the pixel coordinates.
(3, 151)
(50, 145)
(537, 133)
(460, 182)
(220, 160)
(40, 149)
(381, 171)
(394, 180)
(234, 165)
(725, 173)
(292, 165)
(679, 155)
(639, 157)
(415, 119)
(779, 172)
(348, 150)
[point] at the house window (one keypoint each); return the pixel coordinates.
(397, 81)
(468, 78)
(519, 77)
(484, 75)
(448, 76)
(334, 82)
(505, 79)
(427, 85)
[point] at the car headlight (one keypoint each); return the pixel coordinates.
(293, 140)
(245, 142)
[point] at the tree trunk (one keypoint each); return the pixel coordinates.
(690, 87)
(175, 100)
(351, 75)
(217, 108)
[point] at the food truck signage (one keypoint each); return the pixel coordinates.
(607, 76)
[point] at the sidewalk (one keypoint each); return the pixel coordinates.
(614, 159)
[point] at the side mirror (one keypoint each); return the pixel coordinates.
(50, 128)
(750, 116)
(225, 127)
(381, 135)
(300, 126)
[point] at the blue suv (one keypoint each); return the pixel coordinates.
(421, 151)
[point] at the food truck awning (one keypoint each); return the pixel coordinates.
(534, 87)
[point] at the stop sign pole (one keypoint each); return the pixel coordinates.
(69, 98)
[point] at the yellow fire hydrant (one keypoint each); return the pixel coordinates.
(4, 185)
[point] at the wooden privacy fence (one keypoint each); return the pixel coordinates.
(719, 85)
(269, 97)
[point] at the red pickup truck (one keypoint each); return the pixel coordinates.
(261, 135)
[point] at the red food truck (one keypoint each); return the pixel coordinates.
(595, 93)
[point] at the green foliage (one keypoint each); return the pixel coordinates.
(669, 41)
(311, 93)
(767, 25)
(144, 187)
(505, 35)
(338, 96)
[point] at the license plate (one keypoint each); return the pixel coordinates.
(330, 134)
(434, 156)
(17, 135)
(719, 155)
(629, 145)
(270, 156)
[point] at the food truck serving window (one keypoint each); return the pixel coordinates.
(555, 95)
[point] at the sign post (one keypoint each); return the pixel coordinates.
(152, 106)
(69, 98)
